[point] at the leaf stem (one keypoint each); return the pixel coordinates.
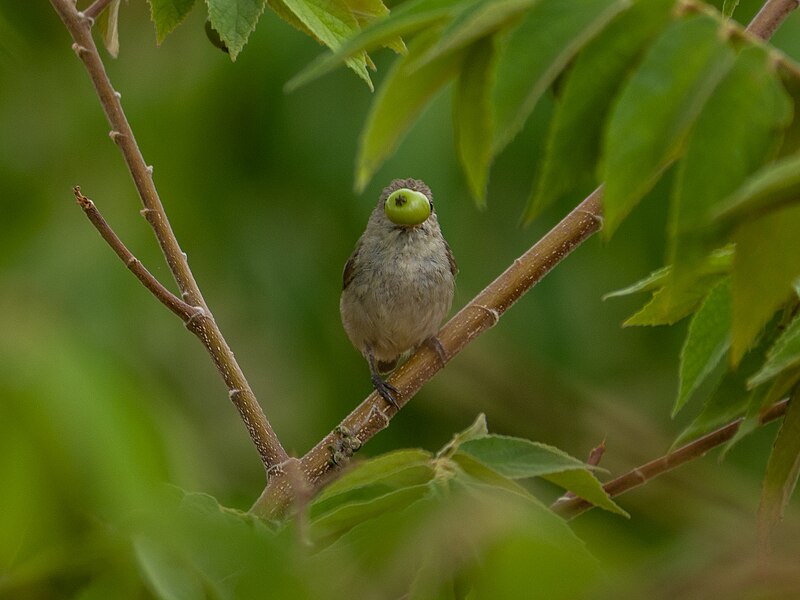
(79, 26)
(96, 9)
(572, 507)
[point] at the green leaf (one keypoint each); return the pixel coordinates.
(667, 307)
(168, 14)
(518, 458)
(375, 477)
(166, 573)
(473, 469)
(472, 115)
(707, 341)
(536, 51)
(478, 429)
(774, 187)
(783, 469)
(728, 6)
(476, 21)
(332, 23)
(109, 27)
(399, 101)
(783, 355)
(656, 110)
(234, 20)
(574, 139)
(718, 262)
(765, 267)
(406, 19)
(720, 156)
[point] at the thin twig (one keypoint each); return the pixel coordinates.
(167, 298)
(483, 312)
(203, 326)
(571, 507)
(96, 9)
(770, 17)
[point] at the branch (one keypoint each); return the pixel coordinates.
(167, 298)
(96, 9)
(770, 17)
(572, 507)
(202, 324)
(483, 312)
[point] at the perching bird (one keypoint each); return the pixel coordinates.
(398, 284)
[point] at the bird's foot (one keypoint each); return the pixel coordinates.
(434, 343)
(385, 389)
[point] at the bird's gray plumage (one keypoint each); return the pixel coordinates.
(398, 284)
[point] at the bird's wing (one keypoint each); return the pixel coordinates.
(450, 259)
(350, 267)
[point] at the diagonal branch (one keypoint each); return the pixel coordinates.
(171, 301)
(483, 312)
(202, 324)
(572, 507)
(770, 17)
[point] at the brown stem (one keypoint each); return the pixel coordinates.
(167, 298)
(373, 414)
(770, 17)
(204, 326)
(571, 507)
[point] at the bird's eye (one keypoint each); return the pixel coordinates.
(407, 207)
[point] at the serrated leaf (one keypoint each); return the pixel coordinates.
(404, 20)
(667, 307)
(108, 24)
(332, 23)
(718, 262)
(707, 340)
(575, 133)
(168, 14)
(535, 52)
(477, 471)
(472, 116)
(719, 157)
(479, 428)
(783, 469)
(656, 110)
(518, 458)
(765, 267)
(234, 20)
(775, 186)
(399, 101)
(782, 356)
(477, 20)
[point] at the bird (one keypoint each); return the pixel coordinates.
(398, 284)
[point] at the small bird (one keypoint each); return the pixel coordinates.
(399, 281)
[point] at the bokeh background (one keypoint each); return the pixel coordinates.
(102, 391)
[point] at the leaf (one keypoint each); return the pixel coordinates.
(535, 52)
(720, 156)
(331, 22)
(234, 20)
(109, 27)
(399, 101)
(718, 262)
(707, 341)
(478, 19)
(473, 469)
(168, 14)
(728, 6)
(783, 355)
(775, 186)
(667, 307)
(167, 575)
(518, 458)
(783, 469)
(407, 18)
(656, 110)
(478, 429)
(375, 477)
(473, 117)
(765, 267)
(575, 133)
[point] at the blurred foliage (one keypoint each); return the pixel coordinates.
(104, 397)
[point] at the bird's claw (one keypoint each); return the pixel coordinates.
(385, 389)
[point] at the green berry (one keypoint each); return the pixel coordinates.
(407, 207)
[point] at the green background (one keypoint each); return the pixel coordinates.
(103, 392)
